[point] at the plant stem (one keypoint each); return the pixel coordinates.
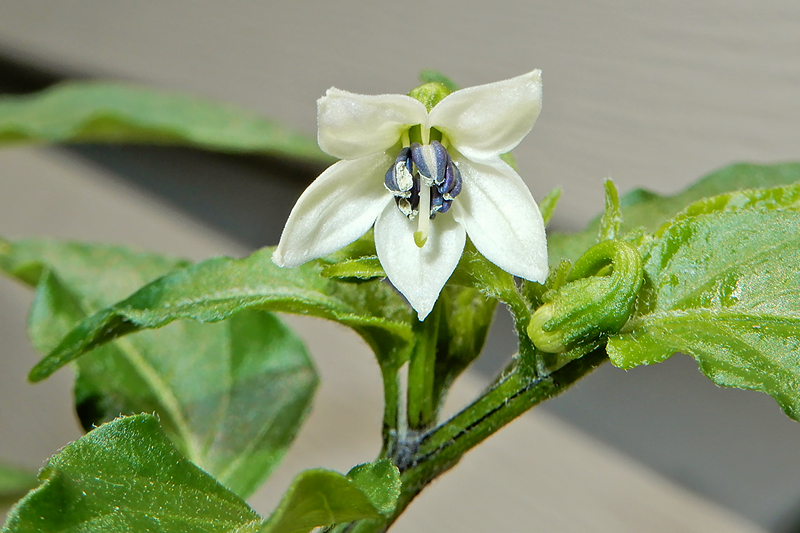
(441, 448)
(391, 408)
(421, 371)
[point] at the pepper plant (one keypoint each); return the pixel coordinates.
(190, 390)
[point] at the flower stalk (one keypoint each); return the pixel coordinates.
(441, 448)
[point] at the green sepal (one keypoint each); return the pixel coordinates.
(593, 302)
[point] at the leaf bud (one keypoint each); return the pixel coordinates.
(598, 298)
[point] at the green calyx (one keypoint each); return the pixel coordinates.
(597, 299)
(430, 94)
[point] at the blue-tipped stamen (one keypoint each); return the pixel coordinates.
(423, 175)
(399, 178)
(452, 183)
(431, 161)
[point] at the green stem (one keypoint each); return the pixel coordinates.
(421, 371)
(391, 408)
(440, 449)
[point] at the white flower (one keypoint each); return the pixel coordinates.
(383, 180)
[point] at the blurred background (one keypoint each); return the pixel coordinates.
(652, 94)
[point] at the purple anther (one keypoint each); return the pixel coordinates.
(431, 161)
(399, 178)
(452, 183)
(438, 203)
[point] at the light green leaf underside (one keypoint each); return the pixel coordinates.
(641, 208)
(322, 498)
(126, 476)
(216, 289)
(202, 379)
(100, 112)
(722, 287)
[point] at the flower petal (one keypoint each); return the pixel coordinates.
(418, 273)
(502, 219)
(355, 125)
(488, 120)
(338, 208)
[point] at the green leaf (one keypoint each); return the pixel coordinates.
(722, 287)
(202, 379)
(548, 205)
(611, 219)
(127, 476)
(380, 481)
(14, 482)
(322, 498)
(787, 197)
(641, 208)
(434, 76)
(101, 112)
(363, 268)
(218, 288)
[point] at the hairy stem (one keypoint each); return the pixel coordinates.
(441, 448)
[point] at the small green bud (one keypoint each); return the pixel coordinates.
(597, 299)
(430, 93)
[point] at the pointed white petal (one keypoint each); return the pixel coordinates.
(502, 219)
(355, 125)
(488, 120)
(418, 273)
(338, 208)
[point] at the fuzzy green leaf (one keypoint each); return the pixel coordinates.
(722, 287)
(322, 498)
(218, 288)
(202, 379)
(100, 112)
(380, 481)
(645, 209)
(127, 476)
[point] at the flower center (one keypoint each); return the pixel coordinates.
(424, 181)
